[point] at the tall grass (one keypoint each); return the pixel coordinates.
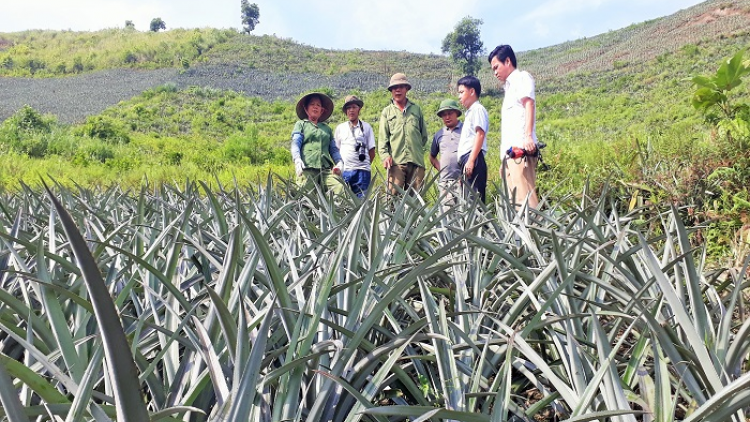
(264, 303)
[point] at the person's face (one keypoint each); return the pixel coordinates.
(398, 92)
(450, 118)
(465, 95)
(352, 112)
(501, 70)
(314, 109)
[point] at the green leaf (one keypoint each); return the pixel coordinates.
(122, 369)
(9, 398)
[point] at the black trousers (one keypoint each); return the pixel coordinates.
(478, 179)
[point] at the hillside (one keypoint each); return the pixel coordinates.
(59, 75)
(705, 23)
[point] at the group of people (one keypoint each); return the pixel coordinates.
(324, 156)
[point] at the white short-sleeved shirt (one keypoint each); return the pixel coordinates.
(347, 138)
(519, 85)
(476, 117)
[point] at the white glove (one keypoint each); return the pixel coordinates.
(299, 167)
(338, 168)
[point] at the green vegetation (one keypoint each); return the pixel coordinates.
(157, 24)
(239, 297)
(633, 127)
(250, 16)
(60, 53)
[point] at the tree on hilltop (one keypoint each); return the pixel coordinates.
(464, 45)
(250, 16)
(129, 25)
(157, 24)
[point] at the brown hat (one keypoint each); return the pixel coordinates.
(324, 99)
(352, 99)
(398, 79)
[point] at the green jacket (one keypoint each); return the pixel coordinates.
(403, 135)
(314, 145)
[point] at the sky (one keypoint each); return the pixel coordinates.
(401, 25)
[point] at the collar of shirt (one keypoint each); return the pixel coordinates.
(408, 103)
(513, 75)
(455, 128)
(473, 107)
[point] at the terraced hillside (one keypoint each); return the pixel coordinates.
(645, 41)
(275, 68)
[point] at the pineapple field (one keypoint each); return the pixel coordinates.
(183, 303)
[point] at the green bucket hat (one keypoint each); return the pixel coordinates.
(449, 105)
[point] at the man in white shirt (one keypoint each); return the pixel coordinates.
(356, 141)
(518, 128)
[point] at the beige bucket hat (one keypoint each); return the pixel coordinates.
(398, 79)
(324, 99)
(352, 99)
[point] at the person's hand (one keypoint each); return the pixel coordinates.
(529, 145)
(469, 169)
(338, 168)
(299, 167)
(388, 162)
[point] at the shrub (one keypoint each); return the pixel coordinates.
(33, 146)
(248, 146)
(129, 57)
(27, 119)
(27, 132)
(105, 129)
(93, 152)
(7, 62)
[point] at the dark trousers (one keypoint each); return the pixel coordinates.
(478, 179)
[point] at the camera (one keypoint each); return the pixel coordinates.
(360, 148)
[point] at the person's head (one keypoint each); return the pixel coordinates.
(469, 90)
(315, 106)
(352, 106)
(449, 111)
(503, 61)
(399, 86)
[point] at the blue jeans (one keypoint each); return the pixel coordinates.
(358, 180)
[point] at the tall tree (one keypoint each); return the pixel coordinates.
(157, 24)
(250, 16)
(464, 45)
